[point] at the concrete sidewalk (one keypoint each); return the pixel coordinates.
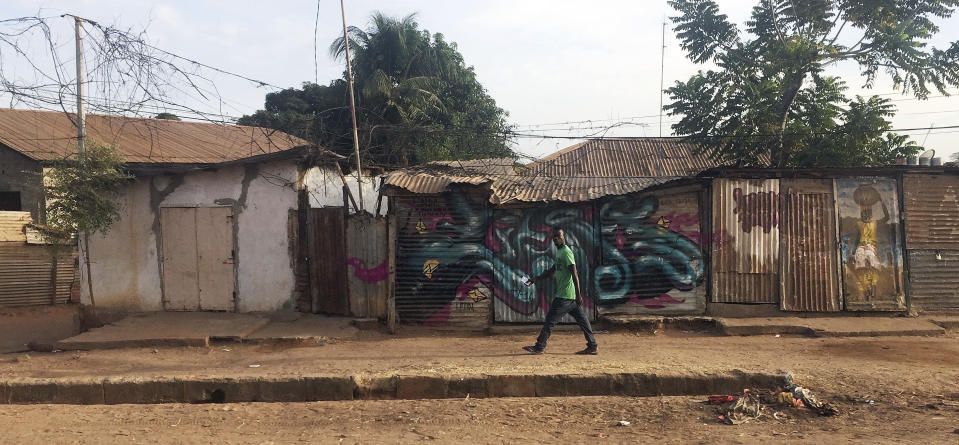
(159, 329)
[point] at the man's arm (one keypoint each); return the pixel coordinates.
(579, 295)
(546, 274)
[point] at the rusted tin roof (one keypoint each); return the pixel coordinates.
(582, 172)
(628, 157)
(48, 135)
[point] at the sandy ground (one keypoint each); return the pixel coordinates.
(914, 381)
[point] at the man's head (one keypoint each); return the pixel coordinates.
(559, 237)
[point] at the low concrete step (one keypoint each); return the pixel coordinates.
(315, 388)
(830, 326)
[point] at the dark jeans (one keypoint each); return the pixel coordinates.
(557, 309)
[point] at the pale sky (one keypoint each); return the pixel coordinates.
(544, 61)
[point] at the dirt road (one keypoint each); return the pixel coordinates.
(914, 382)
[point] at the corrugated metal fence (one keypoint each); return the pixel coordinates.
(932, 240)
(30, 276)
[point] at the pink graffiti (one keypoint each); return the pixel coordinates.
(620, 239)
(660, 302)
(371, 275)
(685, 224)
(718, 239)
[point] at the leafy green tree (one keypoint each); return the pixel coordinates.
(770, 102)
(82, 196)
(167, 116)
(417, 101)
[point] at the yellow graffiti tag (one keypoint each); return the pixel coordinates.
(421, 227)
(664, 222)
(429, 267)
(478, 293)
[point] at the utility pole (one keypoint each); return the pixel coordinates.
(356, 141)
(81, 114)
(662, 70)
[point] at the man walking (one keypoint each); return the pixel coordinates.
(567, 300)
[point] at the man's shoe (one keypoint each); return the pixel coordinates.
(587, 351)
(532, 350)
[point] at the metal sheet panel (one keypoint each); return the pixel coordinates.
(933, 279)
(181, 290)
(49, 136)
(521, 243)
(932, 211)
(444, 271)
(745, 241)
(652, 262)
(367, 265)
(27, 274)
(810, 278)
(870, 243)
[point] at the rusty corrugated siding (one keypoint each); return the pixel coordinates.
(745, 241)
(932, 211)
(932, 240)
(368, 268)
(48, 135)
(810, 278)
(934, 283)
(26, 272)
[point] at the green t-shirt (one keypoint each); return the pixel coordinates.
(564, 279)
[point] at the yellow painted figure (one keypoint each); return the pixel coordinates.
(866, 259)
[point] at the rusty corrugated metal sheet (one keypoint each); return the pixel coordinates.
(26, 272)
(368, 266)
(932, 211)
(745, 241)
(810, 267)
(443, 269)
(932, 240)
(933, 281)
(627, 157)
(48, 135)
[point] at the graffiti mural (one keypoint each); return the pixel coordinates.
(870, 243)
(455, 257)
(651, 256)
(520, 240)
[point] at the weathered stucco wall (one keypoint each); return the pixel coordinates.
(126, 269)
(326, 189)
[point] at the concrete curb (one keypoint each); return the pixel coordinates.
(795, 329)
(112, 390)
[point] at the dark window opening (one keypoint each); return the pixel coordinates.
(10, 201)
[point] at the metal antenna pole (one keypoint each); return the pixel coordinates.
(356, 141)
(662, 70)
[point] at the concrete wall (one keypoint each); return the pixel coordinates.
(19, 173)
(126, 267)
(326, 189)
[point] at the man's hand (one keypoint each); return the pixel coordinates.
(579, 300)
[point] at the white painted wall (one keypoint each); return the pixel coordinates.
(326, 189)
(125, 260)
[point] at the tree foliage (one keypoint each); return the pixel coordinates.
(417, 101)
(770, 101)
(81, 197)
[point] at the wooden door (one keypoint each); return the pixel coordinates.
(181, 289)
(198, 270)
(327, 259)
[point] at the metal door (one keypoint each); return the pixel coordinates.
(327, 259)
(181, 290)
(198, 270)
(214, 256)
(810, 267)
(869, 233)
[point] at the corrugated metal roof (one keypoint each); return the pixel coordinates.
(48, 135)
(581, 172)
(628, 157)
